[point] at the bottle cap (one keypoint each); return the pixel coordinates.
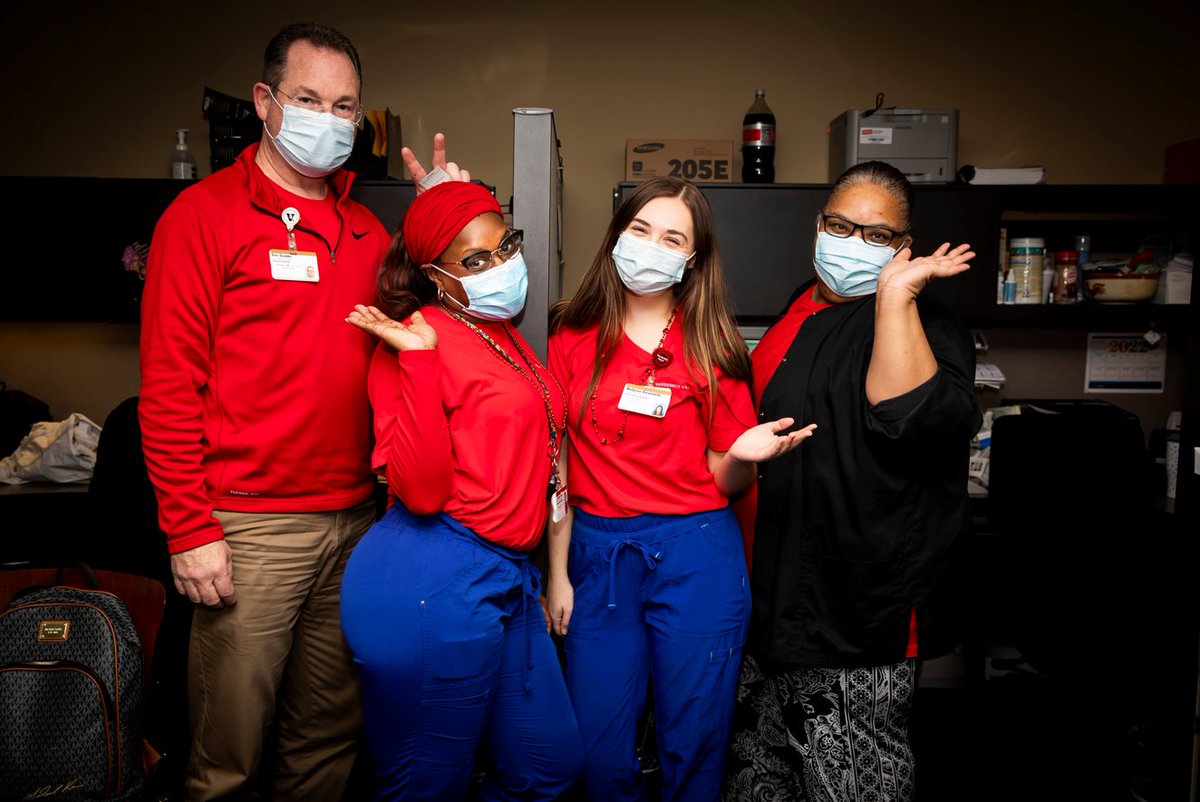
(1066, 256)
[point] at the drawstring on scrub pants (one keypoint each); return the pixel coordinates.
(651, 556)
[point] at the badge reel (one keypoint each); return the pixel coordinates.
(291, 264)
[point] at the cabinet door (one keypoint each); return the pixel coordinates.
(766, 237)
(958, 214)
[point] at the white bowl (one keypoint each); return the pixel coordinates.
(1112, 287)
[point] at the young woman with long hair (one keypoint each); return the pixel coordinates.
(662, 432)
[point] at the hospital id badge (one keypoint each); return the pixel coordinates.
(294, 266)
(645, 399)
(558, 504)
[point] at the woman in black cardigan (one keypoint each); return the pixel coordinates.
(853, 530)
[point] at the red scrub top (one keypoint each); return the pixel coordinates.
(659, 465)
(460, 431)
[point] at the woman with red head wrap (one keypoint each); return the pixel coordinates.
(440, 601)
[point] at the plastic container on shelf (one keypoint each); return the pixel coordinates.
(1066, 277)
(1026, 259)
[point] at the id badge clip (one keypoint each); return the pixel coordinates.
(293, 265)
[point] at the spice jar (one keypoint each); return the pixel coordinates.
(1066, 277)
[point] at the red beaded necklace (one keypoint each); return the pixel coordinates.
(659, 358)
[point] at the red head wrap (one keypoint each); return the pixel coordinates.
(439, 213)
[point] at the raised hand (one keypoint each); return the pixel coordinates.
(763, 442)
(439, 160)
(416, 336)
(905, 277)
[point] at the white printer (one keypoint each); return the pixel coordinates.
(921, 143)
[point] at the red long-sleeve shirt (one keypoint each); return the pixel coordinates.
(459, 431)
(253, 393)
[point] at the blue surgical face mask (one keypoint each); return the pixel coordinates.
(495, 294)
(313, 143)
(849, 266)
(646, 268)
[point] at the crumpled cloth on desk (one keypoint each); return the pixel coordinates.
(54, 451)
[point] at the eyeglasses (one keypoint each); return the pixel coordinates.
(840, 227)
(347, 111)
(480, 261)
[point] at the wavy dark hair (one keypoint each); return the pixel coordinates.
(402, 285)
(710, 335)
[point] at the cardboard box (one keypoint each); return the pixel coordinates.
(699, 160)
(1174, 286)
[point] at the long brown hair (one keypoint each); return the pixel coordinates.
(710, 335)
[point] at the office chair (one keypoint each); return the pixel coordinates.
(1059, 584)
(121, 496)
(1069, 491)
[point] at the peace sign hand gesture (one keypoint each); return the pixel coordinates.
(416, 336)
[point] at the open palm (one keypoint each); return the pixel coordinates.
(906, 277)
(417, 335)
(763, 442)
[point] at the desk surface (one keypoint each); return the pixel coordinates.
(36, 488)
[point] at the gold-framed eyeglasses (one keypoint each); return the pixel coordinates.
(480, 261)
(840, 227)
(346, 111)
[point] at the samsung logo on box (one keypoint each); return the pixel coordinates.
(690, 159)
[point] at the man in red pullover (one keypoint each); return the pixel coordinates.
(257, 429)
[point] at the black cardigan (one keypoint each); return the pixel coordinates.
(855, 526)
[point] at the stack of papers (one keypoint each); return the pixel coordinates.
(988, 376)
(1002, 175)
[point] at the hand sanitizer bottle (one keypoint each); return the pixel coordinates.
(183, 165)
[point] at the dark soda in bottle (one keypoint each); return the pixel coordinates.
(758, 142)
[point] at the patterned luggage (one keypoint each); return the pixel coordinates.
(70, 697)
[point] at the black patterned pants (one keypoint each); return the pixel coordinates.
(822, 735)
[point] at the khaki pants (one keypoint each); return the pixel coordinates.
(276, 657)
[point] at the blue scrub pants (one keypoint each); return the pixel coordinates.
(454, 660)
(664, 596)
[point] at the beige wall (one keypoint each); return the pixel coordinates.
(1092, 91)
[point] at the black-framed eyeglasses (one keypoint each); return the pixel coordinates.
(840, 227)
(480, 261)
(347, 111)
